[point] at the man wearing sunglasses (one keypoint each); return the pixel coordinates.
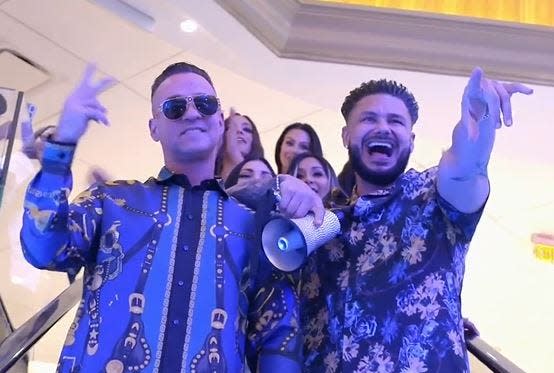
(168, 279)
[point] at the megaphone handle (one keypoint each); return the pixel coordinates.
(262, 215)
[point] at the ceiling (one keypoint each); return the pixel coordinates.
(405, 40)
(503, 278)
(536, 12)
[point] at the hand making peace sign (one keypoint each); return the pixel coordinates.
(82, 106)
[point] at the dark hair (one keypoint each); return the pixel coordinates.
(178, 68)
(389, 87)
(327, 168)
(347, 178)
(256, 148)
(233, 177)
(38, 133)
(315, 144)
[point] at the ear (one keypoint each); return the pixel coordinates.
(221, 123)
(345, 137)
(412, 142)
(153, 130)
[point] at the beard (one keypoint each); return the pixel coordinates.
(379, 178)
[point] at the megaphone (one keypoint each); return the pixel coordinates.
(288, 242)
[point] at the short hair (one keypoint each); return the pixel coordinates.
(314, 148)
(256, 148)
(389, 87)
(178, 68)
(233, 177)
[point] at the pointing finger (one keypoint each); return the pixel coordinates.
(512, 88)
(474, 84)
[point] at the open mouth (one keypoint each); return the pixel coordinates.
(380, 147)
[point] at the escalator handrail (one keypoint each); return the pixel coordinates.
(23, 338)
(489, 356)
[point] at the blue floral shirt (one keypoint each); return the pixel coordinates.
(385, 296)
(167, 283)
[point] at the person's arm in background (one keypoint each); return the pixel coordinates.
(56, 235)
(462, 174)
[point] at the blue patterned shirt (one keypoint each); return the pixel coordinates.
(385, 296)
(167, 283)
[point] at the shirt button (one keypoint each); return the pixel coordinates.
(181, 283)
(189, 216)
(185, 247)
(175, 322)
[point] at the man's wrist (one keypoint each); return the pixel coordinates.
(461, 168)
(54, 138)
(57, 157)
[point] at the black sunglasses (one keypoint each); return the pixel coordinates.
(174, 108)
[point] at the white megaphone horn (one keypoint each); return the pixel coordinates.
(288, 242)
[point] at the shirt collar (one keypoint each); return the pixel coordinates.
(355, 198)
(165, 176)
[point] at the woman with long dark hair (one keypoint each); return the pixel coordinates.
(320, 176)
(241, 140)
(296, 138)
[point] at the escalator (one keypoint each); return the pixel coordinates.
(14, 347)
(6, 329)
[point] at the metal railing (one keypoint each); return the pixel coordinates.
(23, 338)
(490, 357)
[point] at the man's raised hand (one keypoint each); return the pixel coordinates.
(82, 106)
(488, 102)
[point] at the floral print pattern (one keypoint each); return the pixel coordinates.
(385, 296)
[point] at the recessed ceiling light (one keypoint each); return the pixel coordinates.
(189, 25)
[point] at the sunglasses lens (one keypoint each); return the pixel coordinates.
(174, 109)
(206, 105)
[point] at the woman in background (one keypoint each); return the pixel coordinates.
(250, 171)
(296, 138)
(318, 173)
(241, 140)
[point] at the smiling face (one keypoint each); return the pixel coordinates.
(379, 137)
(239, 133)
(296, 141)
(312, 172)
(194, 136)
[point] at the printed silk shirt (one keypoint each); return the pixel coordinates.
(167, 283)
(385, 296)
